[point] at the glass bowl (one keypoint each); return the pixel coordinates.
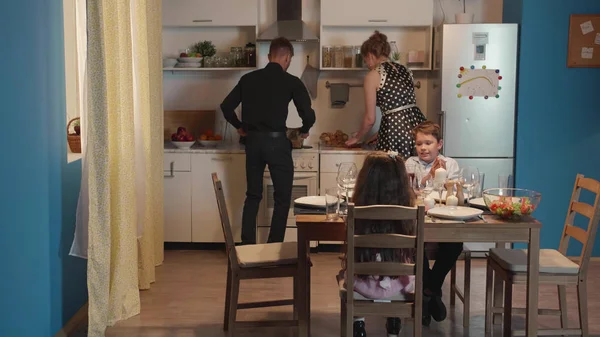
(511, 203)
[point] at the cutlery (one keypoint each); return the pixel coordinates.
(482, 218)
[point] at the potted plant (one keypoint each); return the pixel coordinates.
(464, 17)
(204, 48)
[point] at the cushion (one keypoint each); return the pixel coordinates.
(551, 261)
(268, 254)
(400, 297)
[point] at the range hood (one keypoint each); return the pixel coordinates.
(289, 24)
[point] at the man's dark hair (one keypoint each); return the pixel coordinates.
(281, 45)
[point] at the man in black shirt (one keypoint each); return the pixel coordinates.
(265, 95)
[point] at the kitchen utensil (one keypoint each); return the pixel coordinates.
(310, 77)
(455, 212)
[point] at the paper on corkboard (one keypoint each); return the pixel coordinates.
(584, 50)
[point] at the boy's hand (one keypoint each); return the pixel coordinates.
(436, 165)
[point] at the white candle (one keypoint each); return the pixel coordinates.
(440, 175)
(452, 201)
(429, 203)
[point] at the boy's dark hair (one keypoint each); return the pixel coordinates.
(281, 45)
(428, 128)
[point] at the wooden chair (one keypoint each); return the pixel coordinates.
(353, 304)
(271, 260)
(555, 267)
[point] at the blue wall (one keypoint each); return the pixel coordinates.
(558, 124)
(41, 286)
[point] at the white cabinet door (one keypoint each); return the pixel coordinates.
(178, 207)
(206, 222)
(210, 13)
(376, 13)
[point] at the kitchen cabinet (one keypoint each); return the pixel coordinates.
(178, 197)
(210, 13)
(376, 13)
(231, 169)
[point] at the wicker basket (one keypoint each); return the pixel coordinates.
(73, 139)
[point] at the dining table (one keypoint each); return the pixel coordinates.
(485, 228)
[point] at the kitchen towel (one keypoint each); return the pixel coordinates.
(340, 94)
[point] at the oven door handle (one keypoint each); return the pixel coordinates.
(298, 175)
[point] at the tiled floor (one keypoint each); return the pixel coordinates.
(187, 300)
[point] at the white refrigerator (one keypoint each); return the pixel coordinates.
(477, 66)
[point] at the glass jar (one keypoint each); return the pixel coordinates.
(327, 54)
(250, 55)
(338, 53)
(236, 56)
(348, 56)
(358, 58)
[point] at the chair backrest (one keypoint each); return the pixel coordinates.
(394, 241)
(592, 212)
(225, 224)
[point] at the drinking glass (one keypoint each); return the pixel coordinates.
(346, 179)
(332, 203)
(469, 179)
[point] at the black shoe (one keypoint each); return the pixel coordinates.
(426, 321)
(359, 329)
(437, 309)
(393, 326)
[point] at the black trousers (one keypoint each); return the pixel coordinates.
(274, 150)
(447, 254)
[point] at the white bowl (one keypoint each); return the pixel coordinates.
(189, 59)
(169, 62)
(209, 143)
(184, 145)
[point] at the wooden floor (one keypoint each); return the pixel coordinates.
(188, 297)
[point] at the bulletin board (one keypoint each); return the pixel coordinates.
(584, 41)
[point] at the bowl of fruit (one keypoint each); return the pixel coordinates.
(210, 139)
(511, 203)
(190, 58)
(182, 139)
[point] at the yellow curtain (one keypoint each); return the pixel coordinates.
(124, 155)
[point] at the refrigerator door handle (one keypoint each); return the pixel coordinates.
(442, 121)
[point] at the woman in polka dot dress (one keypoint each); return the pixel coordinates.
(389, 86)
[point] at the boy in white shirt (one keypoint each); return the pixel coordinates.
(428, 144)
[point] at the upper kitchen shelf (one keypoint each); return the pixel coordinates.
(209, 13)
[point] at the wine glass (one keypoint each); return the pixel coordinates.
(469, 179)
(346, 178)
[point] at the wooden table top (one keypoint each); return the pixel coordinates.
(490, 221)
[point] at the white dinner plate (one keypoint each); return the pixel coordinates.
(436, 196)
(478, 202)
(312, 201)
(455, 212)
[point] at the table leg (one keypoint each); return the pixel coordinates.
(303, 286)
(498, 301)
(533, 268)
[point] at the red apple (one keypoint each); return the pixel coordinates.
(181, 138)
(174, 137)
(183, 55)
(181, 130)
(189, 138)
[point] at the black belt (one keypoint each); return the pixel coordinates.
(267, 134)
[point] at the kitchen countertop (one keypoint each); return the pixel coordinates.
(239, 148)
(226, 148)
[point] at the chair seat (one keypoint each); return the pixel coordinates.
(400, 297)
(551, 261)
(268, 254)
